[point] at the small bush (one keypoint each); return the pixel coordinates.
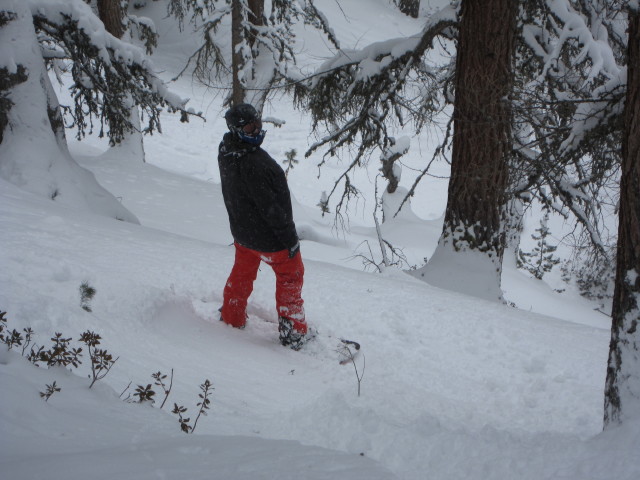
(145, 394)
(51, 389)
(87, 292)
(290, 161)
(101, 360)
(184, 422)
(61, 353)
(206, 387)
(159, 381)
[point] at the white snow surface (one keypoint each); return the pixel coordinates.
(49, 171)
(454, 387)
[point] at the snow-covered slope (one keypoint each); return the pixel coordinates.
(453, 387)
(452, 384)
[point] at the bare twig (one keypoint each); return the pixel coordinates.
(350, 356)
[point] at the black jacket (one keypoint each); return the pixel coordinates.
(257, 197)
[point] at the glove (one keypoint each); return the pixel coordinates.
(294, 250)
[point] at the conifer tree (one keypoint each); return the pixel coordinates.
(290, 160)
(482, 145)
(108, 73)
(262, 54)
(112, 14)
(108, 76)
(622, 388)
(565, 111)
(541, 259)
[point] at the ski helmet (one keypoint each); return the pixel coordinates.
(240, 115)
(244, 121)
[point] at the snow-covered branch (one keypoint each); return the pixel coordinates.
(110, 75)
(356, 93)
(571, 79)
(265, 53)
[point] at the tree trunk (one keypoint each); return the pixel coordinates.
(622, 388)
(111, 14)
(482, 125)
(237, 59)
(243, 38)
(472, 239)
(256, 7)
(256, 17)
(409, 7)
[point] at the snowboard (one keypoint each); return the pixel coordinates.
(347, 350)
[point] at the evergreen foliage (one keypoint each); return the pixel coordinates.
(541, 259)
(7, 81)
(568, 103)
(566, 109)
(409, 7)
(87, 292)
(290, 160)
(110, 75)
(595, 279)
(357, 95)
(268, 39)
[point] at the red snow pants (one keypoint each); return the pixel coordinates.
(289, 277)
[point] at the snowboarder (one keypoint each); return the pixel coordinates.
(258, 203)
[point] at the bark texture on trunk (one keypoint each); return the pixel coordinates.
(111, 14)
(237, 60)
(243, 36)
(256, 17)
(622, 388)
(468, 258)
(482, 126)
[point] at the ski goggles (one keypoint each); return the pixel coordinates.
(253, 128)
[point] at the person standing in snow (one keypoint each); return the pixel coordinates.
(258, 203)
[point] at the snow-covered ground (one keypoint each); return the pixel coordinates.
(454, 387)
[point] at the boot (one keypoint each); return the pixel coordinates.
(289, 337)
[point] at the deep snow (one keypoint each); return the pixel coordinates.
(454, 387)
